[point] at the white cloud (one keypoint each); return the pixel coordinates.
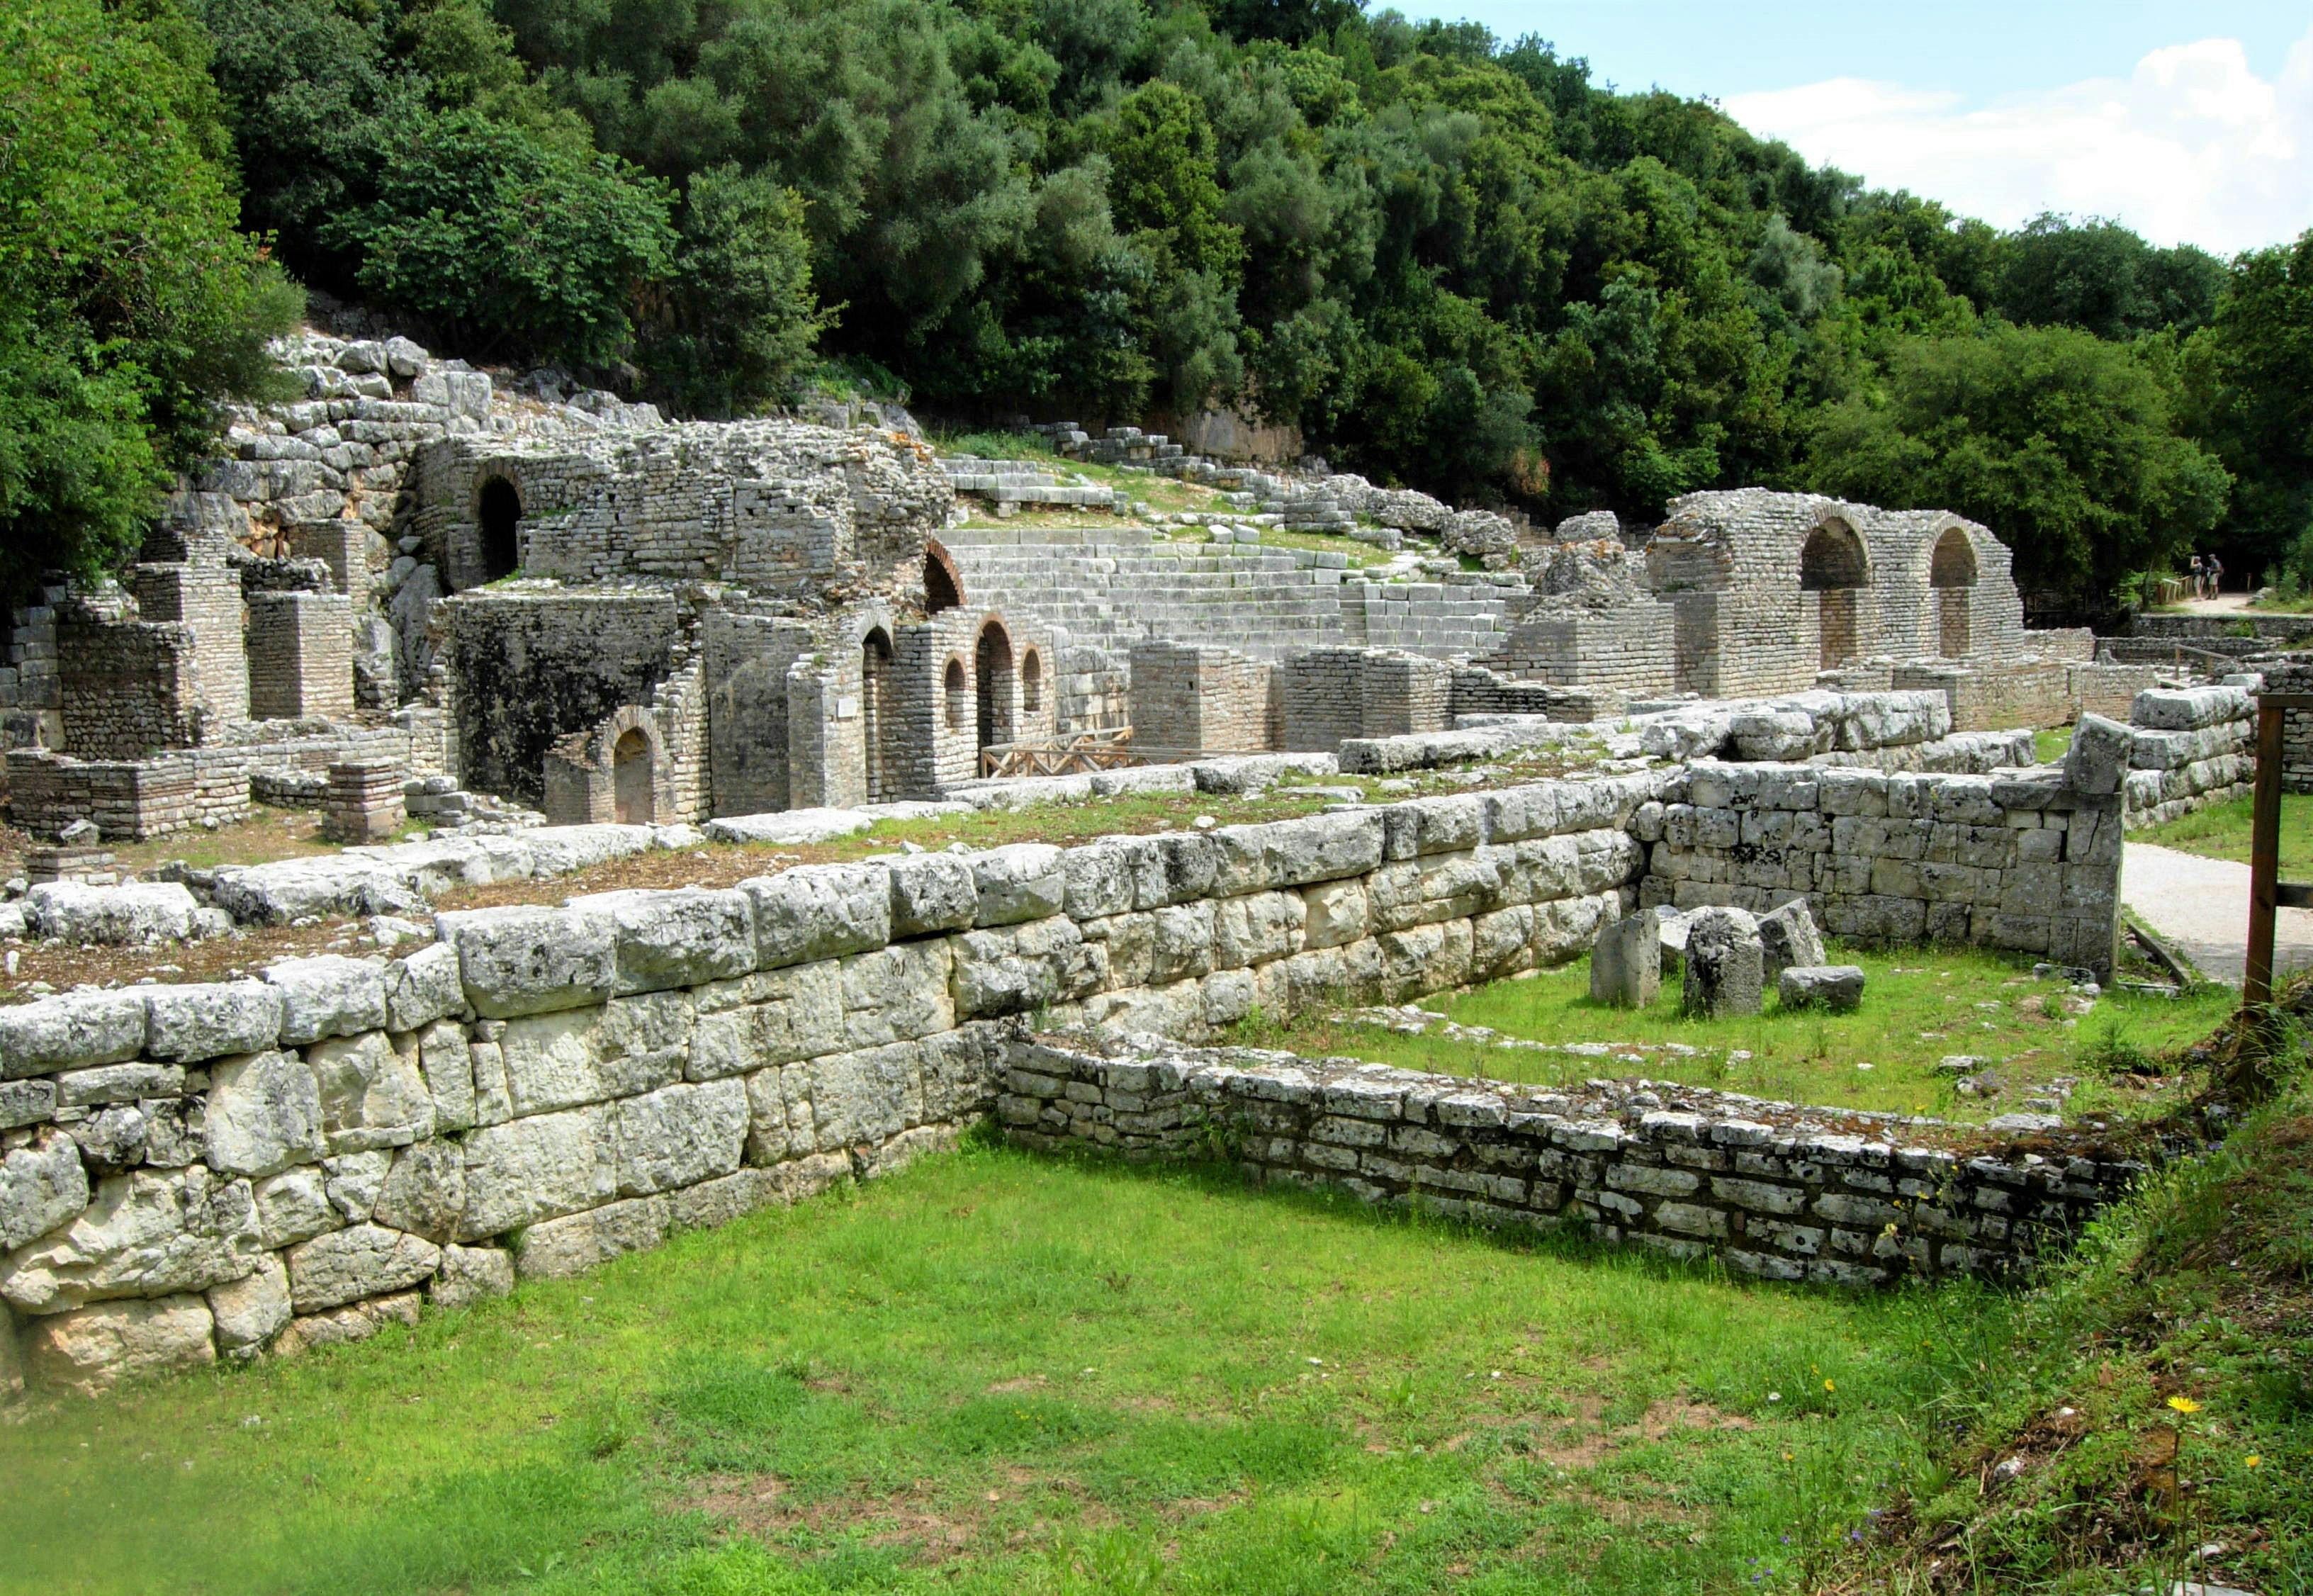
(2192, 148)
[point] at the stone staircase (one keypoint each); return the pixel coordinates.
(1009, 484)
(1112, 587)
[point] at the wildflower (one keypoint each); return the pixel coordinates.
(1774, 1396)
(1829, 1387)
(2183, 1405)
(2252, 1459)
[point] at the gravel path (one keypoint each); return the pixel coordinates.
(2200, 907)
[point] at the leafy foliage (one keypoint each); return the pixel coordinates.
(129, 303)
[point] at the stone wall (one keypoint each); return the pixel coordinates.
(199, 1171)
(2190, 747)
(1995, 698)
(2025, 860)
(529, 667)
(1631, 649)
(2109, 690)
(2296, 725)
(207, 599)
(1853, 1200)
(129, 687)
(1331, 696)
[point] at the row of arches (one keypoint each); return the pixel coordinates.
(1834, 567)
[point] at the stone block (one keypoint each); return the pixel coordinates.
(63, 1033)
(1789, 937)
(423, 987)
(1626, 962)
(524, 960)
(678, 1136)
(682, 937)
(94, 1349)
(211, 1020)
(148, 1233)
(818, 912)
(539, 1167)
(424, 1192)
(361, 1261)
(932, 892)
(560, 1248)
(373, 1093)
(133, 913)
(470, 1275)
(2098, 760)
(1725, 964)
(252, 1310)
(42, 1184)
(1022, 881)
(328, 996)
(263, 1115)
(1836, 987)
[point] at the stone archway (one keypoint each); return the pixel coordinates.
(943, 583)
(992, 676)
(499, 513)
(875, 715)
(1833, 567)
(958, 694)
(1032, 683)
(634, 778)
(1951, 578)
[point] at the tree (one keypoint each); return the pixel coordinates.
(514, 247)
(2064, 444)
(129, 305)
(737, 318)
(2252, 401)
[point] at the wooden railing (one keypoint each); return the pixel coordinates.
(1086, 751)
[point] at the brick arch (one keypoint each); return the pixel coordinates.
(943, 583)
(1952, 562)
(1833, 556)
(616, 770)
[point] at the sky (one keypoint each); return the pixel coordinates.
(2191, 123)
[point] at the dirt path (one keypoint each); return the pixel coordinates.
(2200, 907)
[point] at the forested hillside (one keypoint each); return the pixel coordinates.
(1453, 261)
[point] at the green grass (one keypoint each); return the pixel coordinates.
(2051, 743)
(996, 1373)
(1920, 1005)
(2221, 831)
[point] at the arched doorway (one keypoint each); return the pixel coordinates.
(1032, 683)
(499, 512)
(992, 671)
(632, 778)
(1951, 577)
(875, 714)
(1832, 567)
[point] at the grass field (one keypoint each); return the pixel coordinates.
(1920, 1006)
(995, 1373)
(2221, 831)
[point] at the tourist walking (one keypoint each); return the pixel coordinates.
(2215, 573)
(2197, 575)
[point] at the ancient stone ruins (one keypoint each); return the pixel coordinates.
(559, 631)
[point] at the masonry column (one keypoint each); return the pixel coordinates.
(301, 655)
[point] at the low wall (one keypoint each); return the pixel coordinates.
(2021, 859)
(2226, 633)
(195, 1171)
(2190, 747)
(1853, 1200)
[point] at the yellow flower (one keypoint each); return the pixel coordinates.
(2252, 1459)
(2183, 1405)
(1829, 1387)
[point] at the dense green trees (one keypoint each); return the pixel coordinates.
(1450, 261)
(129, 301)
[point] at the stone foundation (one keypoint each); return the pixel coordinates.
(1784, 1193)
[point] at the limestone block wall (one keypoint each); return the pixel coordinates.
(300, 663)
(201, 1171)
(1333, 695)
(2190, 747)
(2296, 725)
(748, 657)
(2108, 690)
(2020, 861)
(1755, 1184)
(1092, 690)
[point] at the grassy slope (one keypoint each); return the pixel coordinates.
(2161, 1401)
(1920, 1005)
(996, 1373)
